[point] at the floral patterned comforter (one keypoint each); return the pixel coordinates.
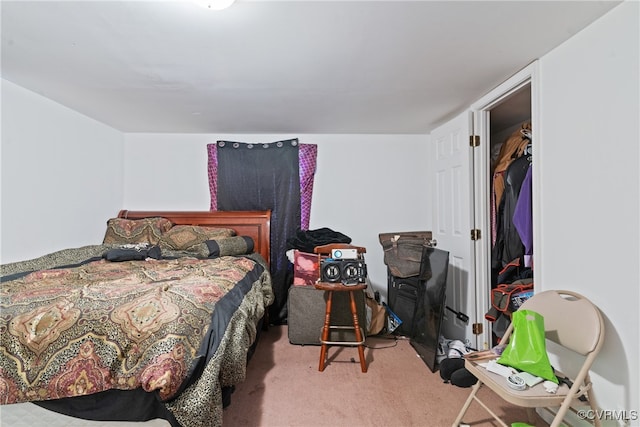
(133, 324)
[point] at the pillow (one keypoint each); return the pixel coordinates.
(185, 237)
(306, 270)
(237, 245)
(145, 230)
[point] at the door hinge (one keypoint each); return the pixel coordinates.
(475, 234)
(474, 140)
(477, 328)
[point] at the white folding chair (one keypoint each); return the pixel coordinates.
(572, 322)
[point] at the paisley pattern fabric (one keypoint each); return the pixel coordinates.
(184, 237)
(135, 324)
(56, 259)
(145, 230)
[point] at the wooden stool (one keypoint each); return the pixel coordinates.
(330, 288)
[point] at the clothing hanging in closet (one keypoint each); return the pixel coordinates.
(523, 217)
(511, 216)
(510, 150)
(512, 220)
(509, 244)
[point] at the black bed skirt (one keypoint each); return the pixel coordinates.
(112, 405)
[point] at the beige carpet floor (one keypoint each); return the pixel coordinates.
(284, 388)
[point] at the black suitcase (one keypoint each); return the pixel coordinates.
(306, 308)
(402, 296)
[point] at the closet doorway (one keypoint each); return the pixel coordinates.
(506, 114)
(460, 175)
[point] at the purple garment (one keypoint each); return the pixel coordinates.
(523, 217)
(307, 157)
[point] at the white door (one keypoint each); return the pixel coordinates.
(452, 222)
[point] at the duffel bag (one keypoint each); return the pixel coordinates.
(508, 298)
(403, 253)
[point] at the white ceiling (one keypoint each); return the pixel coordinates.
(265, 66)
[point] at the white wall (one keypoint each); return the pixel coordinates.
(589, 187)
(384, 191)
(61, 176)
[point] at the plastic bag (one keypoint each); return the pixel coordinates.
(527, 348)
(376, 316)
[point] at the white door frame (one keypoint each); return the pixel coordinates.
(481, 190)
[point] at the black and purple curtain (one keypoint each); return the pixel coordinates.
(277, 176)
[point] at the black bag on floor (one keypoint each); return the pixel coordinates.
(452, 371)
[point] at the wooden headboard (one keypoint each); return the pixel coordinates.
(254, 224)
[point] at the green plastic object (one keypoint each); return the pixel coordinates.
(527, 348)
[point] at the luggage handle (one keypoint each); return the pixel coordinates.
(459, 315)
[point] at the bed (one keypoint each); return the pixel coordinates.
(157, 321)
